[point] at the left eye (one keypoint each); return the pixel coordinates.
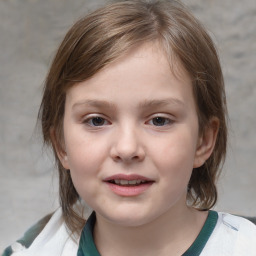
(96, 121)
(160, 121)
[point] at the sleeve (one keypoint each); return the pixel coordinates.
(246, 244)
(28, 237)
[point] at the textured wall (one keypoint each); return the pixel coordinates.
(29, 34)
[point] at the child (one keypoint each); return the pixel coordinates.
(134, 109)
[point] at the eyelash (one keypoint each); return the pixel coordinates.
(89, 121)
(164, 121)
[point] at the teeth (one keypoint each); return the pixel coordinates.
(129, 182)
(132, 182)
(124, 182)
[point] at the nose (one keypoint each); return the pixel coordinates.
(127, 146)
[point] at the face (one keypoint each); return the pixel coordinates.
(131, 138)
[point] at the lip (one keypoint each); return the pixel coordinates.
(128, 190)
(127, 177)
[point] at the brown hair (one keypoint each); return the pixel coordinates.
(105, 35)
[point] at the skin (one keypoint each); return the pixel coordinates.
(146, 124)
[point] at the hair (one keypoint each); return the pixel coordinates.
(102, 37)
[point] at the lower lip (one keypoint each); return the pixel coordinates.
(129, 190)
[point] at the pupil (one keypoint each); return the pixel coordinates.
(158, 121)
(97, 121)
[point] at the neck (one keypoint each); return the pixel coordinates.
(173, 232)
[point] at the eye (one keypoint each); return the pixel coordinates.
(96, 121)
(160, 121)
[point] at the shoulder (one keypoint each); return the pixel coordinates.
(233, 235)
(244, 233)
(243, 226)
(28, 237)
(49, 237)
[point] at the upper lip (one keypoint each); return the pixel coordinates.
(127, 177)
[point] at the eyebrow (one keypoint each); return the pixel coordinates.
(95, 103)
(144, 104)
(160, 103)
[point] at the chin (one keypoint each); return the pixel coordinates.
(127, 217)
(129, 221)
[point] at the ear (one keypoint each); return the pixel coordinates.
(206, 142)
(60, 149)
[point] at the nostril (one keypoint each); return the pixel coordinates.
(127, 152)
(123, 158)
(116, 158)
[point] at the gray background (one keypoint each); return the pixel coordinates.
(30, 31)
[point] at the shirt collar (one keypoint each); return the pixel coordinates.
(87, 246)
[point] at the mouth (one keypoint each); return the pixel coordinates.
(128, 185)
(128, 180)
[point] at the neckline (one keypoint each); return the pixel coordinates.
(87, 246)
(204, 235)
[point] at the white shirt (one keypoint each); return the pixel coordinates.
(232, 236)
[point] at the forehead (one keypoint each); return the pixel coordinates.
(143, 73)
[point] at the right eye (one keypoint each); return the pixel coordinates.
(160, 121)
(96, 121)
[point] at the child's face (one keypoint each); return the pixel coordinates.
(133, 121)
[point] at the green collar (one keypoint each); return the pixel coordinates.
(87, 246)
(196, 248)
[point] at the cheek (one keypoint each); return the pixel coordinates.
(176, 148)
(174, 157)
(84, 154)
(83, 157)
(175, 165)
(85, 160)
